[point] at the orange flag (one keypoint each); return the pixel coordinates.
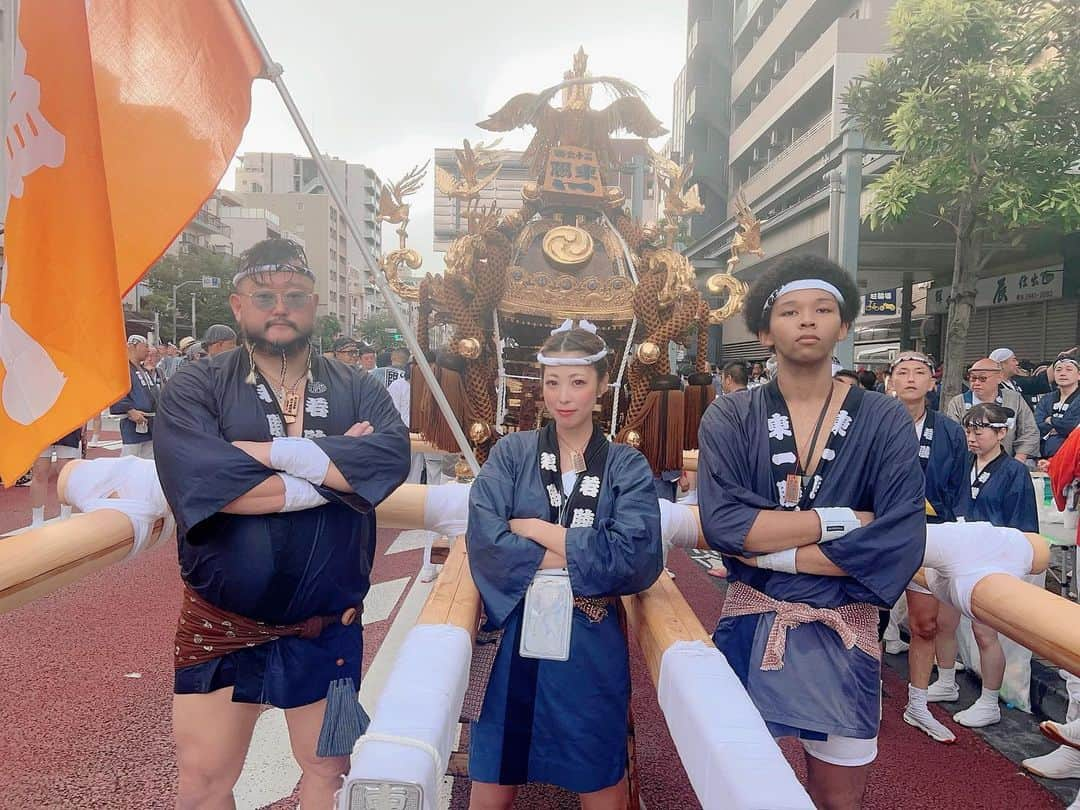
(124, 115)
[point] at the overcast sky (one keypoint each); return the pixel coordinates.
(385, 82)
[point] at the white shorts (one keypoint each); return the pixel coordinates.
(846, 751)
(62, 451)
(140, 450)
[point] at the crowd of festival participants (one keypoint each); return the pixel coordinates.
(815, 483)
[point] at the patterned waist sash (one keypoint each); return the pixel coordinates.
(205, 631)
(856, 624)
(594, 607)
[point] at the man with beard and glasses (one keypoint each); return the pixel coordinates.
(272, 459)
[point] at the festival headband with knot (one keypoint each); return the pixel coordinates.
(918, 357)
(802, 284)
(977, 425)
(1072, 360)
(588, 360)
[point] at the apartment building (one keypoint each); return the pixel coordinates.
(803, 170)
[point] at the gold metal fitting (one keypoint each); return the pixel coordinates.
(469, 348)
(614, 196)
(647, 353)
(479, 433)
(462, 471)
(736, 289)
(568, 246)
(632, 438)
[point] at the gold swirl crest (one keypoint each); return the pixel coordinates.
(568, 246)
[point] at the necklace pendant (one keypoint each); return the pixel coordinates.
(792, 490)
(290, 407)
(577, 461)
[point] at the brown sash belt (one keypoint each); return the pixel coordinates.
(205, 632)
(855, 624)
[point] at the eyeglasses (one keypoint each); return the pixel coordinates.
(350, 352)
(981, 378)
(265, 300)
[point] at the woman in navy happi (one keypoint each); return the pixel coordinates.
(1058, 412)
(999, 492)
(560, 501)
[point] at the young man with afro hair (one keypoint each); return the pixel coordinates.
(813, 492)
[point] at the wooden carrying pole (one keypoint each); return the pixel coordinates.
(43, 560)
(421, 445)
(40, 561)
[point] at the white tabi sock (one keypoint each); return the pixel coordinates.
(916, 698)
(989, 696)
(39, 516)
(65, 511)
(946, 677)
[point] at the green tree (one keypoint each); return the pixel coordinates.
(981, 98)
(374, 331)
(211, 304)
(327, 329)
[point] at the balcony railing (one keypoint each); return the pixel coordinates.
(804, 147)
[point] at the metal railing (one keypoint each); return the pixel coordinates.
(798, 143)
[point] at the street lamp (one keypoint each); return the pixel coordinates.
(207, 282)
(174, 289)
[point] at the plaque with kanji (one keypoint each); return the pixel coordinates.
(573, 174)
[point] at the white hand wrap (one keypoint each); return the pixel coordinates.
(299, 494)
(778, 561)
(300, 457)
(836, 521)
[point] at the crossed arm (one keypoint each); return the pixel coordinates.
(549, 535)
(779, 531)
(268, 496)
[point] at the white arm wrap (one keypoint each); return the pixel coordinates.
(836, 521)
(299, 494)
(778, 561)
(300, 457)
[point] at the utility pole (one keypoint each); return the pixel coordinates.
(193, 315)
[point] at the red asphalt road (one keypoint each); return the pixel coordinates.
(77, 731)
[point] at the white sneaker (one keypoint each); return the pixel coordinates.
(924, 721)
(1062, 733)
(896, 646)
(940, 693)
(979, 714)
(1061, 763)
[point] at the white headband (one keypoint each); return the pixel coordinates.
(916, 357)
(544, 360)
(566, 326)
(802, 284)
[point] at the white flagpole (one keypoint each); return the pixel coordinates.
(272, 71)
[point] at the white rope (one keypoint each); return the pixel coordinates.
(619, 379)
(500, 389)
(626, 249)
(630, 336)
